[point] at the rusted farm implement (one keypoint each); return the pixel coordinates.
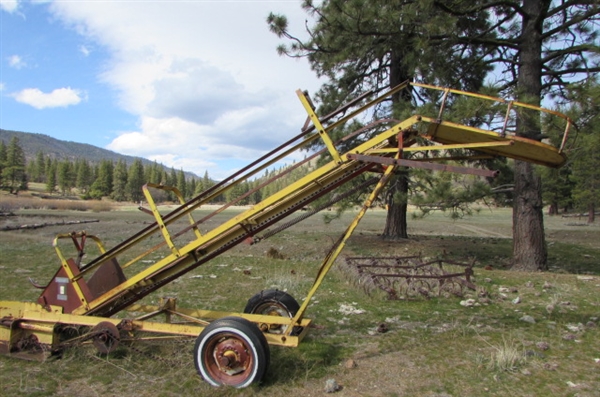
(99, 300)
(409, 276)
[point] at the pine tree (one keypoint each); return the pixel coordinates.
(2, 160)
(181, 183)
(51, 167)
(119, 192)
(14, 177)
(103, 184)
(83, 180)
(537, 46)
(191, 188)
(206, 181)
(40, 163)
(584, 108)
(199, 187)
(374, 45)
(31, 171)
(586, 172)
(47, 165)
(65, 177)
(255, 197)
(135, 181)
(557, 188)
(541, 45)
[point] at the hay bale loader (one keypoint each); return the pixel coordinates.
(99, 301)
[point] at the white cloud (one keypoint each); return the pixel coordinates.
(9, 6)
(60, 97)
(84, 50)
(16, 62)
(196, 91)
(2, 86)
(203, 78)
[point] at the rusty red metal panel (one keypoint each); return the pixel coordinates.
(108, 276)
(61, 292)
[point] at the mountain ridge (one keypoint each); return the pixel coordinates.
(32, 143)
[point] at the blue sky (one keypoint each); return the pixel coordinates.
(196, 85)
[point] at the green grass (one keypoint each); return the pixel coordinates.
(432, 347)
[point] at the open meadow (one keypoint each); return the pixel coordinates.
(517, 334)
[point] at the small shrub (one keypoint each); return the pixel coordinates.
(506, 357)
(274, 254)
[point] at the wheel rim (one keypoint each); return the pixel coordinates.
(228, 359)
(274, 309)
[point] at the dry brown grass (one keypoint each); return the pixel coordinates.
(11, 203)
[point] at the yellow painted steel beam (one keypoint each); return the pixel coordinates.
(181, 257)
(230, 229)
(445, 147)
(159, 220)
(338, 247)
(510, 105)
(181, 253)
(41, 322)
(319, 127)
(288, 195)
(211, 240)
(524, 149)
(67, 269)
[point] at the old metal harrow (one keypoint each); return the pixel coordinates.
(409, 276)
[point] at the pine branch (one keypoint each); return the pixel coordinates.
(510, 4)
(573, 21)
(566, 4)
(575, 50)
(558, 73)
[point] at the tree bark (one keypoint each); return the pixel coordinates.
(396, 197)
(395, 222)
(591, 213)
(529, 245)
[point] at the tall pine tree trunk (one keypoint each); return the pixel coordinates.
(395, 223)
(529, 245)
(396, 197)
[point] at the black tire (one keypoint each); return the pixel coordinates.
(272, 302)
(231, 351)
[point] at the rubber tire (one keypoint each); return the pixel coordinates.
(279, 298)
(238, 329)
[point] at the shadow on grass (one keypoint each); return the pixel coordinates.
(311, 359)
(563, 257)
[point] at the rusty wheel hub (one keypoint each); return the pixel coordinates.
(231, 356)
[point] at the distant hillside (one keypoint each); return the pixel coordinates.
(56, 148)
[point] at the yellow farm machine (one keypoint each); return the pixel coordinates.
(99, 301)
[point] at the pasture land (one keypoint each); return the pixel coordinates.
(522, 334)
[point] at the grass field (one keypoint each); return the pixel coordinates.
(433, 346)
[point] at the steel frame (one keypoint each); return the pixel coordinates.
(383, 153)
